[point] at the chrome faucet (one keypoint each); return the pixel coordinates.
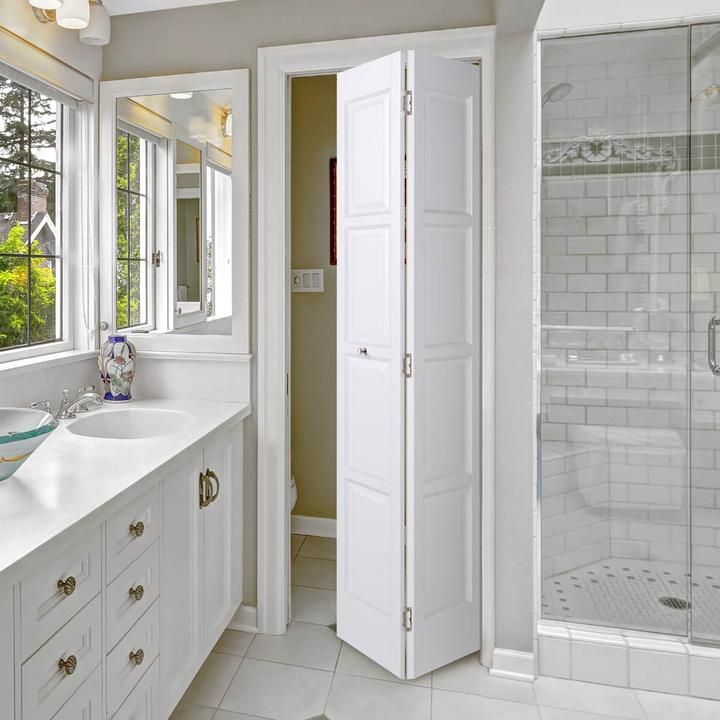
(87, 399)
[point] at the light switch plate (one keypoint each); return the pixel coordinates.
(307, 280)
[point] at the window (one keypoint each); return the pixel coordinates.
(135, 237)
(219, 243)
(32, 252)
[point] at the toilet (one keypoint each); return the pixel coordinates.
(292, 495)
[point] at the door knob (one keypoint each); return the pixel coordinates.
(67, 586)
(137, 529)
(68, 665)
(137, 592)
(362, 351)
(137, 657)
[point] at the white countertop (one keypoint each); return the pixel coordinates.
(70, 477)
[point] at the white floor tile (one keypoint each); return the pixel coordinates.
(213, 679)
(309, 572)
(318, 547)
(588, 697)
(355, 698)
(279, 692)
(352, 662)
(558, 714)
(227, 715)
(304, 644)
(462, 706)
(468, 676)
(661, 706)
(233, 642)
(185, 711)
(314, 605)
(296, 542)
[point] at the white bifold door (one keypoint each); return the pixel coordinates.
(408, 361)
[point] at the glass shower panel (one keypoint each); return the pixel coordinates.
(615, 299)
(705, 228)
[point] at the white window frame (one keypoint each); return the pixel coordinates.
(155, 208)
(75, 298)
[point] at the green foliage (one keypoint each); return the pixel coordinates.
(14, 310)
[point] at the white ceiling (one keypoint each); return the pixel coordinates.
(125, 7)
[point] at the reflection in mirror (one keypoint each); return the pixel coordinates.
(173, 203)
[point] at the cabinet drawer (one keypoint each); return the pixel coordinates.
(124, 672)
(131, 531)
(144, 701)
(132, 593)
(50, 596)
(86, 703)
(46, 684)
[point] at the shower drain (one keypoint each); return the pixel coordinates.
(675, 603)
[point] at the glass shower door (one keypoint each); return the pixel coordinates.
(705, 399)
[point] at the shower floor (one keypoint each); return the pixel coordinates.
(626, 593)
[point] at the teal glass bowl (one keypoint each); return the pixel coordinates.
(21, 433)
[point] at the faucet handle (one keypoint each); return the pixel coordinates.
(86, 389)
(41, 405)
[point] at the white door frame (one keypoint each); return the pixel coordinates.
(276, 65)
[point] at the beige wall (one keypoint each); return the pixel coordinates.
(313, 314)
(227, 36)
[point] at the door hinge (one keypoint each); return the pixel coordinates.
(407, 619)
(408, 102)
(407, 365)
(155, 259)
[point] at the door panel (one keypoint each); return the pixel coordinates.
(443, 335)
(370, 349)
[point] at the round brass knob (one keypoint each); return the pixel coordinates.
(137, 657)
(137, 529)
(68, 585)
(68, 665)
(137, 592)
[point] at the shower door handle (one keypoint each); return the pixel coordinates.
(713, 324)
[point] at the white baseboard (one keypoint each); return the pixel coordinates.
(245, 619)
(513, 665)
(319, 527)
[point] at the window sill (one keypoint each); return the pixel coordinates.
(41, 362)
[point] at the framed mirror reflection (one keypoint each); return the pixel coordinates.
(174, 211)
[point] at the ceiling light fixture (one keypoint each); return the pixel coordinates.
(46, 4)
(73, 14)
(182, 95)
(98, 30)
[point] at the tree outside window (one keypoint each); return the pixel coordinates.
(30, 186)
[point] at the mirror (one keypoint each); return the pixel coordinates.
(177, 213)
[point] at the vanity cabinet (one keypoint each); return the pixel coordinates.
(112, 620)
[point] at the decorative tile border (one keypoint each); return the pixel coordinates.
(612, 155)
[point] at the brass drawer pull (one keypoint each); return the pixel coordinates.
(67, 586)
(68, 665)
(137, 592)
(137, 657)
(137, 529)
(210, 475)
(208, 494)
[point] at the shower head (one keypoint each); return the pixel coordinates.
(556, 93)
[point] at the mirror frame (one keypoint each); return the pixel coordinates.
(238, 81)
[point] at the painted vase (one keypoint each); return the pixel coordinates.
(116, 363)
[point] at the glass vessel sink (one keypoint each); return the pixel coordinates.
(21, 433)
(130, 423)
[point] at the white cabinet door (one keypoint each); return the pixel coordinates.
(371, 342)
(7, 655)
(408, 427)
(180, 578)
(217, 550)
(443, 337)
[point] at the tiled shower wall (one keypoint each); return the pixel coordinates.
(617, 215)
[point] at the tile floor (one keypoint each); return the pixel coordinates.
(310, 674)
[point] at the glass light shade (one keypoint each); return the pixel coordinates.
(181, 95)
(74, 14)
(46, 4)
(98, 30)
(227, 124)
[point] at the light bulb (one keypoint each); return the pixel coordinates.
(98, 30)
(46, 4)
(184, 95)
(74, 14)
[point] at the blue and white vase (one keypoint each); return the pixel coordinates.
(116, 363)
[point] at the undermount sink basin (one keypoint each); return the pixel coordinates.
(22, 431)
(130, 423)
